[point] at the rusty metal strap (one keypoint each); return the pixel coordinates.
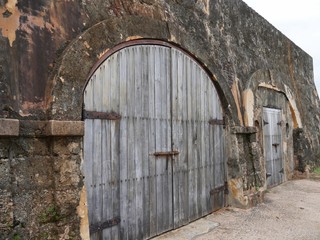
(170, 153)
(216, 122)
(107, 224)
(101, 115)
(217, 190)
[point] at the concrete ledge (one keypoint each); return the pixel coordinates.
(9, 127)
(65, 128)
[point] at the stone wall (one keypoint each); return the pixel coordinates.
(47, 50)
(40, 182)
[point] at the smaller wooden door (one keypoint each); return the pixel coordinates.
(273, 146)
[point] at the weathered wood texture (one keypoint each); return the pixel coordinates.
(166, 101)
(272, 135)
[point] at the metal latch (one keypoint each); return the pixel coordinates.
(268, 175)
(170, 153)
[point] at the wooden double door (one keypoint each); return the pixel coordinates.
(154, 143)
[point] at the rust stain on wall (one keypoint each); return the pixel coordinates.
(293, 108)
(9, 22)
(236, 95)
(248, 104)
(236, 189)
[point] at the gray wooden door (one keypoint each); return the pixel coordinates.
(153, 145)
(273, 146)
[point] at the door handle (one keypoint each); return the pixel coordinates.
(169, 153)
(268, 175)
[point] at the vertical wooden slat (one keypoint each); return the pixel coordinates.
(106, 160)
(131, 146)
(159, 139)
(176, 131)
(138, 140)
(123, 155)
(152, 145)
(114, 146)
(144, 141)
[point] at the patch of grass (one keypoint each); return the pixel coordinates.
(51, 214)
(16, 236)
(317, 170)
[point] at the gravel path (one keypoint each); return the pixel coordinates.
(291, 211)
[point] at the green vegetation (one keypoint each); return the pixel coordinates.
(51, 214)
(16, 236)
(317, 170)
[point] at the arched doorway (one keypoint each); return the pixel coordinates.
(154, 144)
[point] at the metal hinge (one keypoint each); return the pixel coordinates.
(217, 190)
(101, 115)
(107, 224)
(216, 122)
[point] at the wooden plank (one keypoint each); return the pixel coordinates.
(202, 144)
(123, 155)
(183, 161)
(131, 147)
(152, 145)
(159, 143)
(176, 130)
(105, 163)
(114, 146)
(138, 140)
(192, 137)
(166, 116)
(106, 176)
(144, 141)
(97, 158)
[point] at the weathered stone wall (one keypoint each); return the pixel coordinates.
(47, 49)
(39, 184)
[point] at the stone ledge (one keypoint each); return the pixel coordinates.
(66, 128)
(33, 128)
(243, 130)
(9, 127)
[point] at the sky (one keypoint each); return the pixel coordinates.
(299, 20)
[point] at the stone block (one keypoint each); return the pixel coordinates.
(5, 174)
(66, 128)
(6, 210)
(9, 127)
(67, 172)
(32, 173)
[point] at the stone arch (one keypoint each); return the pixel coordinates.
(64, 94)
(267, 89)
(275, 81)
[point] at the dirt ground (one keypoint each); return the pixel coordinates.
(290, 211)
